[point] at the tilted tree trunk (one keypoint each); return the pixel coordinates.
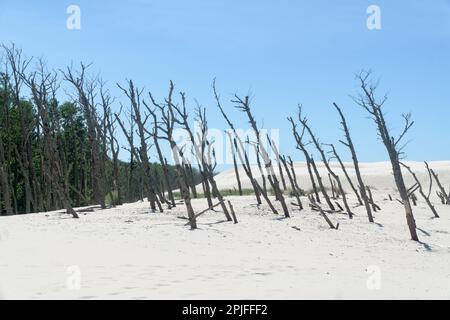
(374, 108)
(241, 152)
(349, 144)
(310, 160)
(315, 141)
(244, 106)
(294, 187)
(235, 166)
(445, 198)
(133, 95)
(206, 162)
(421, 191)
(168, 121)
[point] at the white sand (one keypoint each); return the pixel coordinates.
(126, 252)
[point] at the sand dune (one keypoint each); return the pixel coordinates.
(127, 252)
(377, 175)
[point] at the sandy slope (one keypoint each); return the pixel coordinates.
(378, 174)
(126, 252)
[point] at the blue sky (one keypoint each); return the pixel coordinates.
(281, 52)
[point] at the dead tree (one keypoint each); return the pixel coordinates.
(294, 187)
(277, 158)
(302, 146)
(312, 169)
(334, 194)
(166, 126)
(375, 207)
(205, 161)
(265, 196)
(154, 134)
(86, 95)
(294, 176)
(368, 101)
(304, 122)
(349, 144)
(336, 156)
(317, 207)
(134, 96)
(18, 66)
(442, 194)
(426, 197)
(233, 214)
(43, 86)
(244, 160)
(244, 106)
(236, 169)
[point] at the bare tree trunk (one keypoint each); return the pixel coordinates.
(349, 144)
(295, 190)
(350, 182)
(236, 169)
(244, 106)
(304, 122)
(243, 156)
(134, 95)
(446, 199)
(206, 163)
(43, 88)
(374, 108)
(86, 97)
(422, 193)
(168, 121)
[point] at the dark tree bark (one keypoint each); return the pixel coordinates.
(244, 106)
(294, 187)
(349, 144)
(309, 159)
(205, 160)
(315, 141)
(443, 194)
(368, 101)
(421, 191)
(166, 128)
(134, 95)
(241, 152)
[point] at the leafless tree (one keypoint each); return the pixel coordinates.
(18, 65)
(134, 96)
(301, 145)
(373, 106)
(205, 160)
(315, 206)
(166, 125)
(162, 160)
(295, 190)
(86, 92)
(43, 85)
(110, 135)
(277, 158)
(442, 194)
(349, 144)
(244, 106)
(236, 139)
(304, 122)
(426, 197)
